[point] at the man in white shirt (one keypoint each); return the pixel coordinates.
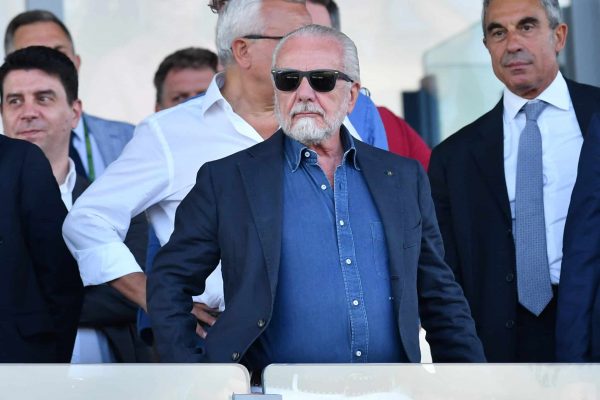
(42, 107)
(502, 184)
(158, 167)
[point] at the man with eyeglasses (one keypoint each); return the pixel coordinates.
(330, 249)
(158, 169)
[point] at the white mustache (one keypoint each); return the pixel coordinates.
(306, 107)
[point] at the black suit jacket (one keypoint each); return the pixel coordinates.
(234, 214)
(40, 289)
(471, 200)
(578, 309)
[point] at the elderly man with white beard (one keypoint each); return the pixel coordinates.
(330, 249)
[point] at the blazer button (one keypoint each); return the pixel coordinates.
(510, 324)
(235, 356)
(510, 277)
(261, 323)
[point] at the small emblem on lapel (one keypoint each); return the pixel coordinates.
(389, 173)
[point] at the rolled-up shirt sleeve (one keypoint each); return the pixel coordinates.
(95, 228)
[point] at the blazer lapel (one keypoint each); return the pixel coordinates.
(382, 179)
(262, 177)
(107, 140)
(488, 151)
(585, 103)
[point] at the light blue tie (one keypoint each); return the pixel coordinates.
(533, 276)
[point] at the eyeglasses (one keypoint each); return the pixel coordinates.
(262, 37)
(321, 80)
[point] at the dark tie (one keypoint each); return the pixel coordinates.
(533, 276)
(76, 159)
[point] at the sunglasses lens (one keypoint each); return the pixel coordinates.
(322, 81)
(287, 80)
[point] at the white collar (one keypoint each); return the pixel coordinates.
(213, 93)
(69, 183)
(557, 94)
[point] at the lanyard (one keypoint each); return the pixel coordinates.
(88, 151)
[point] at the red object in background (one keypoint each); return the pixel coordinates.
(403, 139)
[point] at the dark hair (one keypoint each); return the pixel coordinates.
(333, 10)
(28, 18)
(48, 60)
(191, 57)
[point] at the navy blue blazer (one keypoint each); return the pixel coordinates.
(40, 290)
(578, 307)
(234, 214)
(469, 191)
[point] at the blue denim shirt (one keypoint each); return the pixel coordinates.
(333, 296)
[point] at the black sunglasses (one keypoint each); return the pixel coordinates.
(321, 80)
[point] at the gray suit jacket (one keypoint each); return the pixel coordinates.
(111, 136)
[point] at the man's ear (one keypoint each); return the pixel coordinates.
(241, 54)
(354, 91)
(77, 110)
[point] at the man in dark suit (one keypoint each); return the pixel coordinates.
(578, 309)
(501, 202)
(97, 141)
(311, 273)
(41, 106)
(40, 290)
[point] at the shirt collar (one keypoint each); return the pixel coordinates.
(295, 151)
(213, 93)
(557, 95)
(69, 183)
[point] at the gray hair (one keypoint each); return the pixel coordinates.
(350, 55)
(238, 18)
(552, 8)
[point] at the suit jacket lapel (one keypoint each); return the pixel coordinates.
(262, 176)
(81, 184)
(585, 103)
(107, 141)
(488, 151)
(382, 179)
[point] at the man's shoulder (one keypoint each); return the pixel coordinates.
(582, 89)
(104, 123)
(14, 150)
(462, 138)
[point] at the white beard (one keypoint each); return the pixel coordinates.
(306, 130)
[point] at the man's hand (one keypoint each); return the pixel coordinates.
(205, 315)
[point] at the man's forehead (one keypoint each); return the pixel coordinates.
(312, 50)
(31, 80)
(282, 17)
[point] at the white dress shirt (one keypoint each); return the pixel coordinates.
(66, 188)
(561, 145)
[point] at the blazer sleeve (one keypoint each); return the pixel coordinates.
(441, 200)
(43, 213)
(180, 271)
(443, 309)
(580, 270)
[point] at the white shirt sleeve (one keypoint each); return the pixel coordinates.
(95, 228)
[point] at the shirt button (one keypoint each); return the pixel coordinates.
(358, 353)
(306, 154)
(510, 277)
(323, 187)
(355, 302)
(342, 223)
(348, 261)
(510, 324)
(261, 323)
(235, 356)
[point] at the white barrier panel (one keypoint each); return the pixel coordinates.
(434, 381)
(122, 382)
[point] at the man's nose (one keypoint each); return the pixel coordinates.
(513, 41)
(305, 91)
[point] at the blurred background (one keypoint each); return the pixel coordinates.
(423, 59)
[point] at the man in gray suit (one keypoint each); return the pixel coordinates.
(96, 142)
